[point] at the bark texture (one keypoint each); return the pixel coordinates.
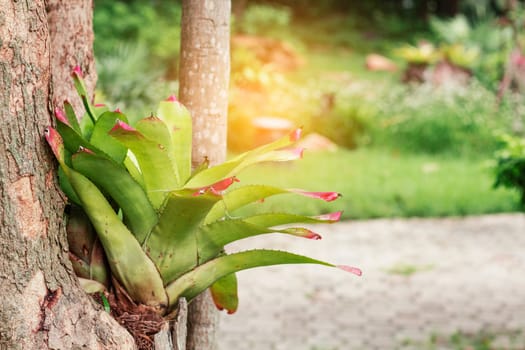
(41, 304)
(71, 41)
(204, 74)
(204, 80)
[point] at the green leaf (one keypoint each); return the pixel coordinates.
(114, 180)
(105, 302)
(154, 161)
(154, 129)
(178, 121)
(276, 219)
(245, 195)
(203, 276)
(102, 141)
(80, 86)
(91, 286)
(72, 139)
(224, 293)
(240, 197)
(56, 143)
(98, 264)
(71, 117)
(128, 262)
(201, 167)
(89, 271)
(86, 126)
(80, 266)
(97, 208)
(81, 235)
(172, 244)
(131, 165)
(236, 165)
(213, 237)
(66, 187)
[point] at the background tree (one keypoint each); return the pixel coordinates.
(41, 303)
(204, 78)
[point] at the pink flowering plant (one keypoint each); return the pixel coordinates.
(142, 221)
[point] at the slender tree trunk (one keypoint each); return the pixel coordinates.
(204, 74)
(204, 79)
(41, 304)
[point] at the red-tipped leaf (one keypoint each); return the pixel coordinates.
(217, 188)
(332, 217)
(77, 72)
(354, 270)
(326, 196)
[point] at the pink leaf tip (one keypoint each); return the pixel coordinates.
(98, 105)
(330, 216)
(326, 196)
(172, 98)
(296, 134)
(51, 134)
(61, 116)
(356, 271)
(306, 233)
(314, 236)
(120, 125)
(303, 232)
(77, 71)
(117, 110)
(54, 140)
(217, 188)
(299, 152)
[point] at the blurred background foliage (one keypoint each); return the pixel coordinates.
(416, 86)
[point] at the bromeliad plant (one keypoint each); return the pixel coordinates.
(143, 220)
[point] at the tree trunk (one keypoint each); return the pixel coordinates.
(71, 41)
(204, 74)
(204, 79)
(41, 303)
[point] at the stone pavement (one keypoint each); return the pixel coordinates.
(421, 277)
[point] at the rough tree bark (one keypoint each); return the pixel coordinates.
(41, 303)
(204, 79)
(71, 41)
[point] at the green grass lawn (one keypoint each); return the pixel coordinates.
(330, 61)
(379, 183)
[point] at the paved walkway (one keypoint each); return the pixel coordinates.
(421, 277)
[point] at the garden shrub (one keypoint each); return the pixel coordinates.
(264, 20)
(155, 25)
(449, 119)
(124, 81)
(345, 118)
(482, 45)
(510, 169)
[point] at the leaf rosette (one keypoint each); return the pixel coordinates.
(142, 217)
